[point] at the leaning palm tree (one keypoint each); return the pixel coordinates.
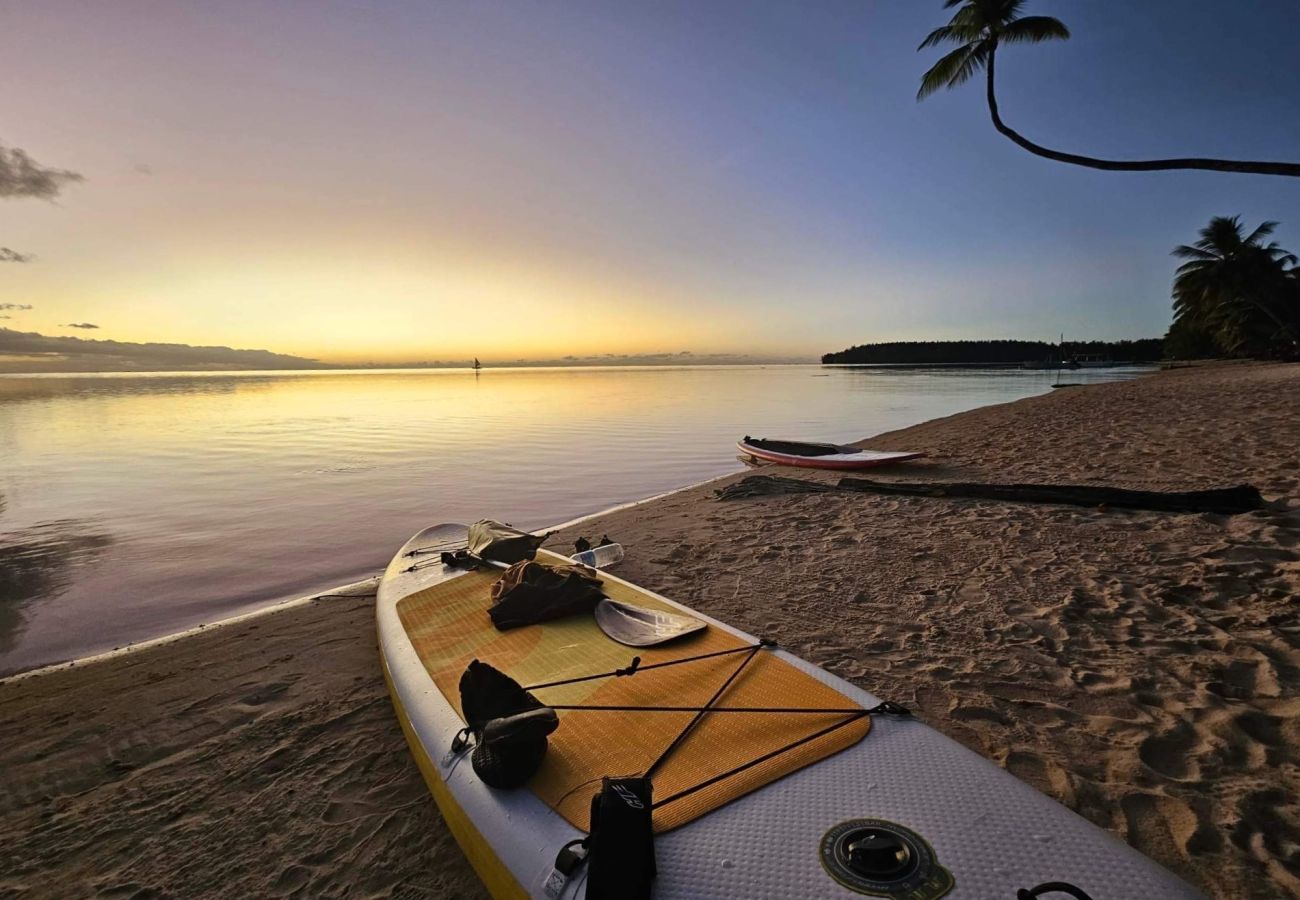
(1238, 287)
(979, 27)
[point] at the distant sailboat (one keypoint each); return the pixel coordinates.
(477, 365)
(1062, 365)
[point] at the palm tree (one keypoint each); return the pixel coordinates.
(980, 26)
(1238, 288)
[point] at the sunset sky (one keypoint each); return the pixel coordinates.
(430, 180)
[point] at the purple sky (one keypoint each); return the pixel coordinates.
(430, 180)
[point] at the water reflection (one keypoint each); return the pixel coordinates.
(225, 491)
(38, 564)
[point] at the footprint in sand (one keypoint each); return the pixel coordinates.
(1170, 752)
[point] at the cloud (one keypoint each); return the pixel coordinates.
(80, 325)
(22, 176)
(7, 255)
(6, 317)
(142, 169)
(18, 306)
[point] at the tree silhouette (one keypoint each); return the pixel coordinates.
(979, 27)
(1239, 289)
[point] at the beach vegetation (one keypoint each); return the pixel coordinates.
(980, 27)
(995, 353)
(1239, 291)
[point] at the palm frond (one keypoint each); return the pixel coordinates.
(1183, 251)
(953, 69)
(1033, 30)
(1263, 231)
(941, 35)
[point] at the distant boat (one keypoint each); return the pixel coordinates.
(1100, 362)
(477, 365)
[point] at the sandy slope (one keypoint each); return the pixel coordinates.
(257, 760)
(1140, 667)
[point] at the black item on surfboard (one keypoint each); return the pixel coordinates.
(509, 726)
(459, 559)
(531, 592)
(620, 846)
(495, 542)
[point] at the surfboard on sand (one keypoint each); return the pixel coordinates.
(863, 805)
(819, 456)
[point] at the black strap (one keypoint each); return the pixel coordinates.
(1051, 887)
(571, 856)
(708, 782)
(797, 710)
(690, 726)
(636, 666)
(450, 544)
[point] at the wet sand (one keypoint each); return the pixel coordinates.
(1142, 668)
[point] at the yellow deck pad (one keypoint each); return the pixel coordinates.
(448, 624)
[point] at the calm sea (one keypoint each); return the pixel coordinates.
(136, 505)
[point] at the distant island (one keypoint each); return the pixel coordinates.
(997, 353)
(29, 352)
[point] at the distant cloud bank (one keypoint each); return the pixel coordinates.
(7, 255)
(86, 325)
(16, 306)
(22, 176)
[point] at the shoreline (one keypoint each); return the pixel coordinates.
(353, 588)
(1141, 668)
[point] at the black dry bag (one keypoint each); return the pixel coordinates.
(508, 723)
(620, 850)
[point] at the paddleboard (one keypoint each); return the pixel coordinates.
(966, 828)
(819, 456)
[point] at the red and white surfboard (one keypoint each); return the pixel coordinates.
(819, 456)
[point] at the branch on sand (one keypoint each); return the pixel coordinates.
(1224, 501)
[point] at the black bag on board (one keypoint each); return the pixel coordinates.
(620, 848)
(494, 542)
(531, 592)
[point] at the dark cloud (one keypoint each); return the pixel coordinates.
(22, 176)
(17, 306)
(6, 317)
(7, 255)
(80, 325)
(142, 169)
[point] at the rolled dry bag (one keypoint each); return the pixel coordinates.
(494, 542)
(621, 849)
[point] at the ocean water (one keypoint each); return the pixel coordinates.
(136, 505)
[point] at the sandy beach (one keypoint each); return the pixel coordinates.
(1139, 667)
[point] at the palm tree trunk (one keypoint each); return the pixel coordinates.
(1136, 165)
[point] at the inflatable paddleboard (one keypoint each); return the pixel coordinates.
(819, 456)
(876, 805)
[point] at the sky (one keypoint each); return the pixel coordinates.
(399, 181)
